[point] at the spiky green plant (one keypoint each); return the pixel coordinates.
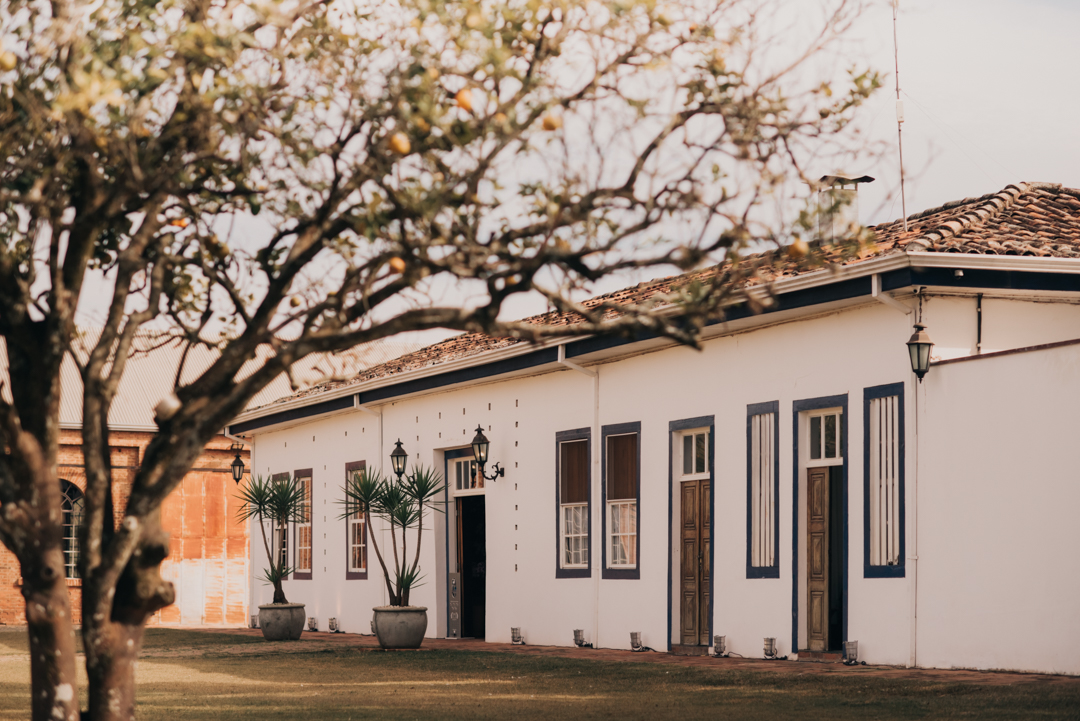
(280, 502)
(401, 502)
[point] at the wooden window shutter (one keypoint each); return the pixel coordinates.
(622, 467)
(574, 472)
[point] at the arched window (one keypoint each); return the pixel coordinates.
(72, 505)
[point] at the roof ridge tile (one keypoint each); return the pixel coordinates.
(992, 204)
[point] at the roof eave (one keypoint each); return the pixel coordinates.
(813, 279)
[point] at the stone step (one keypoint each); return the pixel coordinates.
(687, 650)
(821, 656)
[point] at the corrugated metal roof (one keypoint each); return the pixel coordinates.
(151, 372)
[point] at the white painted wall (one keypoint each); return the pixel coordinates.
(831, 354)
(998, 491)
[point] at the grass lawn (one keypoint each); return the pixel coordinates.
(204, 680)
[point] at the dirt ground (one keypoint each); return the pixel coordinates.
(191, 674)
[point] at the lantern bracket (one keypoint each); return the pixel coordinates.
(879, 294)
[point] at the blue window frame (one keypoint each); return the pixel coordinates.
(884, 543)
(763, 490)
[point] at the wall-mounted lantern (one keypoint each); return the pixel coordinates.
(398, 458)
(919, 347)
(238, 463)
(480, 445)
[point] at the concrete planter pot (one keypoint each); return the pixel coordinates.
(399, 626)
(282, 621)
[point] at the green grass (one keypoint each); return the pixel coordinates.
(367, 684)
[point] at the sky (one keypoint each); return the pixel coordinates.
(990, 98)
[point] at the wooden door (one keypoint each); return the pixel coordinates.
(695, 567)
(817, 561)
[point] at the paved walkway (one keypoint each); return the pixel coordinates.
(316, 641)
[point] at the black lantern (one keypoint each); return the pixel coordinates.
(398, 458)
(480, 445)
(238, 463)
(919, 347)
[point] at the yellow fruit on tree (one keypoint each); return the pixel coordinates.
(464, 99)
(397, 265)
(8, 61)
(798, 249)
(399, 143)
(552, 122)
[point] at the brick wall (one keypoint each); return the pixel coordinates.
(207, 548)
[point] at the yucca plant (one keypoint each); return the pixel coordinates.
(401, 502)
(280, 502)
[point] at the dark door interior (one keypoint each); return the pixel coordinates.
(836, 558)
(472, 563)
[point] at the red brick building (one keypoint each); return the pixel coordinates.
(207, 551)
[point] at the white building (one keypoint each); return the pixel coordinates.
(659, 489)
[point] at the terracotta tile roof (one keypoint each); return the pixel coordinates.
(1028, 219)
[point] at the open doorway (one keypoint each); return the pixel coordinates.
(466, 544)
(472, 564)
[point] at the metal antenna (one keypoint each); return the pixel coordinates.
(899, 112)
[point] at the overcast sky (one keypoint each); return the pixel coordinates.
(990, 98)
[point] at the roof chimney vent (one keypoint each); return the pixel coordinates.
(838, 206)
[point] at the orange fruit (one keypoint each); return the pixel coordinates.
(399, 143)
(552, 122)
(464, 99)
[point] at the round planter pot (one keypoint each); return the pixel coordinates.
(282, 621)
(399, 626)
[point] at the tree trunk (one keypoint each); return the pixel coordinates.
(114, 617)
(110, 670)
(52, 640)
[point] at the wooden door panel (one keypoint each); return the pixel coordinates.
(689, 506)
(689, 618)
(817, 557)
(817, 614)
(694, 562)
(817, 561)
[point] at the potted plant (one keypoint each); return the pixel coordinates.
(280, 502)
(401, 502)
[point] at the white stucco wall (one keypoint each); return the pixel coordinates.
(831, 354)
(999, 575)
